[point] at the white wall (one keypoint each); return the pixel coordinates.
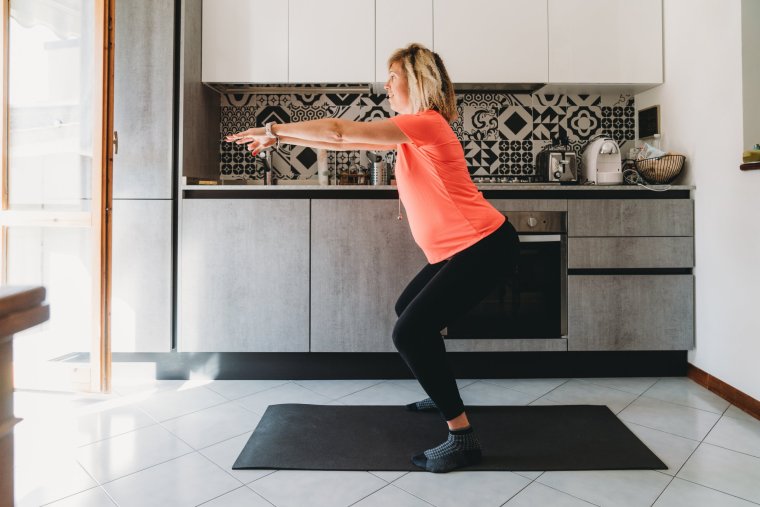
(751, 65)
(701, 117)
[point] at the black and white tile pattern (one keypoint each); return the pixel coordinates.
(501, 133)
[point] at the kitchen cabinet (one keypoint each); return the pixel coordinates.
(244, 273)
(396, 31)
(492, 41)
(141, 271)
(624, 311)
(630, 312)
(630, 233)
(362, 258)
(245, 41)
(630, 217)
(605, 41)
(143, 91)
(141, 291)
(631, 252)
(331, 41)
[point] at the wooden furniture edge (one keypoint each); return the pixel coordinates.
(14, 298)
(729, 393)
(19, 321)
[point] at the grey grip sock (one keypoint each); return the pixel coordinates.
(460, 449)
(426, 404)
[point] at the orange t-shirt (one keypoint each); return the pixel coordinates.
(446, 211)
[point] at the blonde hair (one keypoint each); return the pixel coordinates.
(429, 83)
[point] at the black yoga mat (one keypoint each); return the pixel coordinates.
(372, 437)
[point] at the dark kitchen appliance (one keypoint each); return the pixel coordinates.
(532, 303)
(557, 163)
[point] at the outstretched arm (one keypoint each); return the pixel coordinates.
(381, 134)
(336, 146)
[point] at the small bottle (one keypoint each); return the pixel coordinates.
(656, 141)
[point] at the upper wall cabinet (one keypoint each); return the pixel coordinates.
(492, 41)
(143, 89)
(395, 31)
(332, 41)
(245, 41)
(605, 41)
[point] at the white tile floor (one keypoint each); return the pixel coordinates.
(168, 443)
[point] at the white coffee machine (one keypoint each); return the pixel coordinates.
(602, 163)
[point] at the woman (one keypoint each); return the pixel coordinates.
(469, 245)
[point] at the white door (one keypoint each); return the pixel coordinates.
(332, 41)
(245, 41)
(492, 41)
(605, 41)
(397, 23)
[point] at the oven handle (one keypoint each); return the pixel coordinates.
(540, 238)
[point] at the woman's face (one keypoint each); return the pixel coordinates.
(397, 88)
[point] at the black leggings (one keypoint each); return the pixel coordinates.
(440, 294)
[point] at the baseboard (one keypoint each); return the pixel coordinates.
(390, 365)
(729, 393)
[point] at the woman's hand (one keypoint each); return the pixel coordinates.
(255, 138)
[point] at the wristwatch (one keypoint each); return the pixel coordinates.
(268, 132)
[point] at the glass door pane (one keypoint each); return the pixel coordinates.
(50, 104)
(59, 259)
(53, 100)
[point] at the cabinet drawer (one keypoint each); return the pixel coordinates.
(631, 252)
(630, 217)
(244, 275)
(630, 312)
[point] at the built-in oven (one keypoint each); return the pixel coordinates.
(532, 302)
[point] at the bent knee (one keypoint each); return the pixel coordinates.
(402, 334)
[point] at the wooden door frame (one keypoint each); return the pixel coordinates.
(102, 197)
(98, 220)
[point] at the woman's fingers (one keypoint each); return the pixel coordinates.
(239, 135)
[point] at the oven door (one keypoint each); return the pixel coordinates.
(532, 303)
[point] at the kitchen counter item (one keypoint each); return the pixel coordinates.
(602, 162)
(378, 172)
(557, 164)
(752, 155)
(661, 170)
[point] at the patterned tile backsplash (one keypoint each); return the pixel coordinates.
(500, 132)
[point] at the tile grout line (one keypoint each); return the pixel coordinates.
(718, 490)
(386, 485)
(729, 449)
(226, 400)
(521, 392)
(680, 404)
(341, 397)
(218, 496)
(193, 450)
(673, 477)
(257, 493)
(615, 388)
(661, 431)
(98, 486)
(563, 492)
(520, 490)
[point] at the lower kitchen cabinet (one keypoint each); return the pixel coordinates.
(141, 271)
(630, 312)
(244, 275)
(362, 258)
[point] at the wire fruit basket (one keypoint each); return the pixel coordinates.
(661, 170)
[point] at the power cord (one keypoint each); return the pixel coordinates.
(632, 177)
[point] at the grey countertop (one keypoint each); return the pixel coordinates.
(285, 187)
